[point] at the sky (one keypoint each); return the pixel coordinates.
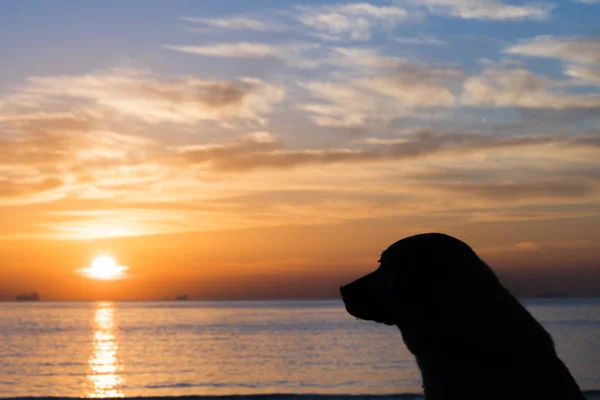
(271, 149)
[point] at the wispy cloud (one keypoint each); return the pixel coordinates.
(267, 152)
(564, 188)
(91, 179)
(517, 87)
(231, 50)
(363, 60)
(589, 75)
(238, 23)
(420, 40)
(580, 54)
(9, 188)
(569, 49)
(386, 90)
(487, 9)
(294, 54)
(355, 22)
(43, 121)
(181, 100)
(51, 156)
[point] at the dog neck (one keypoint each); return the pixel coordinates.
(447, 376)
(460, 367)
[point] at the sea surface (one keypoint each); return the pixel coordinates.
(154, 349)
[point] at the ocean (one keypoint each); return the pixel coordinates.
(283, 349)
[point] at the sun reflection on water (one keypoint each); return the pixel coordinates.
(104, 364)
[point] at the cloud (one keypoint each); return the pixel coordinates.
(180, 100)
(520, 215)
(585, 74)
(49, 156)
(238, 23)
(294, 54)
(580, 54)
(420, 40)
(360, 58)
(100, 150)
(10, 188)
(91, 180)
(569, 49)
(253, 152)
(40, 138)
(517, 87)
(354, 182)
(528, 246)
(249, 144)
(561, 188)
(416, 85)
(487, 9)
(43, 121)
(398, 90)
(60, 137)
(303, 55)
(231, 50)
(354, 22)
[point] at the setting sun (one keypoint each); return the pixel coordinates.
(105, 268)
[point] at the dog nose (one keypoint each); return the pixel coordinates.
(343, 289)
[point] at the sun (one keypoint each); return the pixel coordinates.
(105, 268)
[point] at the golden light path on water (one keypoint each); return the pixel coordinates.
(104, 364)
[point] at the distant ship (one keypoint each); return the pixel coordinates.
(29, 297)
(182, 297)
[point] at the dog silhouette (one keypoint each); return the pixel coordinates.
(471, 338)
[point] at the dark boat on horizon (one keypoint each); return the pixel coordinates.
(182, 297)
(29, 297)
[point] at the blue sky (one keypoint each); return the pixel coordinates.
(95, 35)
(214, 115)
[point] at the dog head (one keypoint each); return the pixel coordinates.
(421, 281)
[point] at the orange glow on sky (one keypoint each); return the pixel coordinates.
(278, 156)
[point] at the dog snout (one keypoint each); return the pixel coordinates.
(359, 290)
(342, 290)
(345, 290)
(351, 290)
